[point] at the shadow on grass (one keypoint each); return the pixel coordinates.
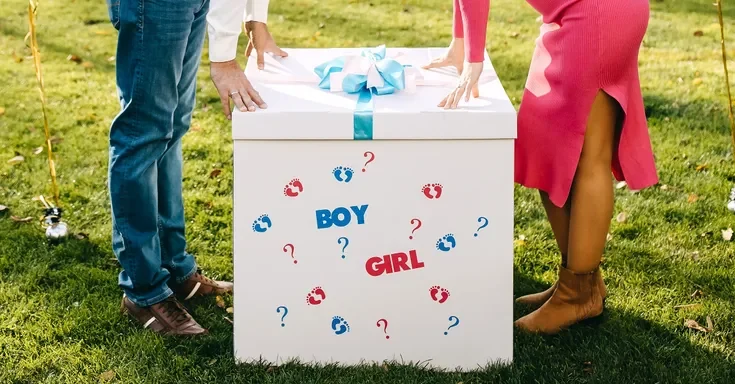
(620, 347)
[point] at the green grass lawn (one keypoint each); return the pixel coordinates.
(59, 319)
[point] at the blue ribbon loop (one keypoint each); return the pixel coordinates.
(394, 79)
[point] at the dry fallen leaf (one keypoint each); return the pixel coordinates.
(727, 234)
(697, 81)
(514, 34)
(16, 160)
(111, 58)
(107, 376)
(710, 326)
(74, 58)
(81, 236)
(56, 140)
(21, 220)
(664, 187)
(702, 167)
(102, 33)
(698, 33)
(609, 237)
(212, 362)
(3, 208)
(588, 368)
(229, 320)
(694, 325)
(621, 185)
(696, 294)
(230, 310)
(37, 150)
(692, 198)
(215, 173)
(87, 65)
(2, 111)
(220, 302)
(688, 306)
(622, 217)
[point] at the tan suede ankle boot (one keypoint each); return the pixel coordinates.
(577, 297)
(538, 299)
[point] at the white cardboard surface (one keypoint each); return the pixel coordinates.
(285, 163)
(289, 87)
(477, 273)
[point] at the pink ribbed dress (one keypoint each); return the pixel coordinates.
(585, 46)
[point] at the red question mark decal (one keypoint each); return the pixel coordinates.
(372, 157)
(285, 249)
(417, 227)
(385, 326)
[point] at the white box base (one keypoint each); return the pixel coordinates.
(477, 181)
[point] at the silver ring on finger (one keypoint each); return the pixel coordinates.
(234, 93)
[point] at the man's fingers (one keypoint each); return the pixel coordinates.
(225, 99)
(255, 96)
(261, 59)
(249, 49)
(239, 102)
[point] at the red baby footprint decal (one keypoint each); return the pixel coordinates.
(316, 296)
(439, 294)
(293, 188)
(432, 191)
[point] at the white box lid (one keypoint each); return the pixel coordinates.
(299, 110)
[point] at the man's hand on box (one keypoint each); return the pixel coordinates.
(262, 41)
(231, 83)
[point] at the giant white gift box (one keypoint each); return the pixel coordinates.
(398, 248)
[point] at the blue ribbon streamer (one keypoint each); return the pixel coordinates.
(390, 70)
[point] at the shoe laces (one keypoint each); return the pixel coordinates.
(173, 310)
(205, 279)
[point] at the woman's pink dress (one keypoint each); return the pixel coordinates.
(585, 46)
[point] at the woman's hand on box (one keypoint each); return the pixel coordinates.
(454, 57)
(262, 41)
(467, 84)
(231, 83)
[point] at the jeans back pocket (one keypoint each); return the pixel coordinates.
(113, 9)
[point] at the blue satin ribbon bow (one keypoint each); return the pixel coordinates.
(393, 79)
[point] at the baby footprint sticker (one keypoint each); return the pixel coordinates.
(343, 174)
(439, 294)
(339, 325)
(316, 296)
(262, 223)
(446, 243)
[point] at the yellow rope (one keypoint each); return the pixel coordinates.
(32, 7)
(727, 77)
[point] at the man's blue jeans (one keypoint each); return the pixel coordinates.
(158, 53)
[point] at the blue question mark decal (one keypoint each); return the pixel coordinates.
(456, 323)
(480, 220)
(285, 312)
(347, 241)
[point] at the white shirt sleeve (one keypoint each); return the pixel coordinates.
(256, 10)
(224, 25)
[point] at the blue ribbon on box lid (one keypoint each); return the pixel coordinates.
(367, 74)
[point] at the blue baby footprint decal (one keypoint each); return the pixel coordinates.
(339, 325)
(343, 174)
(262, 223)
(446, 243)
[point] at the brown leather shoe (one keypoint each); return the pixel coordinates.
(577, 297)
(167, 317)
(538, 299)
(199, 285)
